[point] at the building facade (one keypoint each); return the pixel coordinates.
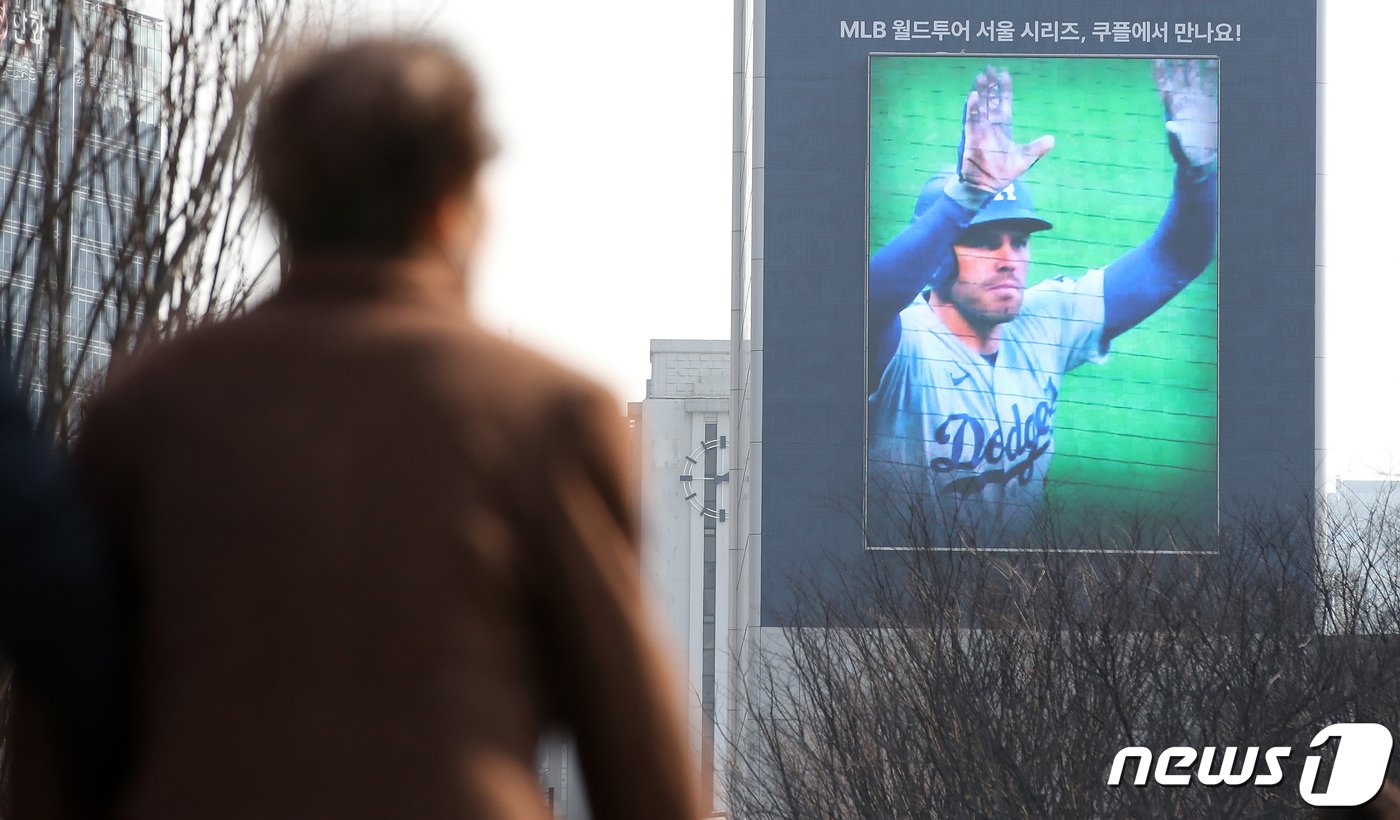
(1376, 495)
(684, 452)
(746, 633)
(561, 779)
(80, 158)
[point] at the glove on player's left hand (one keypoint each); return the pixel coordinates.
(1189, 91)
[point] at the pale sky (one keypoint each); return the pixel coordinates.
(611, 202)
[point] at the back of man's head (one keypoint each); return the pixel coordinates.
(358, 146)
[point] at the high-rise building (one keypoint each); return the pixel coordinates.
(80, 143)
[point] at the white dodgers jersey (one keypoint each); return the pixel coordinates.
(962, 444)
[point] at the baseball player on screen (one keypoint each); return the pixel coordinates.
(969, 360)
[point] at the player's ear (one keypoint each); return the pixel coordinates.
(944, 276)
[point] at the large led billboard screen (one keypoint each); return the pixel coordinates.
(1133, 356)
(1048, 347)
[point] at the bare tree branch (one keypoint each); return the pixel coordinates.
(126, 206)
(972, 684)
(125, 180)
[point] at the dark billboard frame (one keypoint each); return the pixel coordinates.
(814, 192)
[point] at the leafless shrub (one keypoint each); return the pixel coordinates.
(990, 684)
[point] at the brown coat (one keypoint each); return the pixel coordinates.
(379, 551)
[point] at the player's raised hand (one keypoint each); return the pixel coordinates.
(1189, 91)
(988, 158)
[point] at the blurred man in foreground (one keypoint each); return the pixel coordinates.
(377, 550)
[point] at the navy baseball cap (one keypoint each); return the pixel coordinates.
(1011, 204)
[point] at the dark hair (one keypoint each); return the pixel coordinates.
(358, 146)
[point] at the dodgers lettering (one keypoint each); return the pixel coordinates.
(971, 446)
